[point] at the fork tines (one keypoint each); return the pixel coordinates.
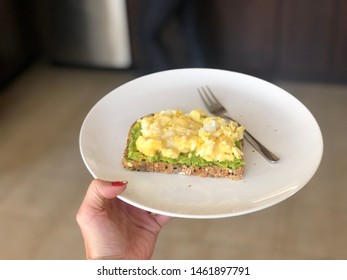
(207, 96)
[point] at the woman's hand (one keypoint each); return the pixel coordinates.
(113, 229)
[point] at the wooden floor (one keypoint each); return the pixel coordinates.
(43, 179)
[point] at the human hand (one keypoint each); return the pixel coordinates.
(113, 229)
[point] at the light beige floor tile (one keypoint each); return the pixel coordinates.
(20, 237)
(319, 233)
(180, 249)
(62, 242)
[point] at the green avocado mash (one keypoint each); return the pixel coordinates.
(184, 159)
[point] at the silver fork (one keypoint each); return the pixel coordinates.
(216, 108)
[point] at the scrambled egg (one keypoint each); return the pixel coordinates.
(172, 132)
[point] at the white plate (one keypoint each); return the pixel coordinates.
(271, 114)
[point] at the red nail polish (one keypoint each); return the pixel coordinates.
(119, 183)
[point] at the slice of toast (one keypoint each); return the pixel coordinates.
(146, 164)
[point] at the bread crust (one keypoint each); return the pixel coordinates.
(167, 168)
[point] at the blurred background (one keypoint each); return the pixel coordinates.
(58, 58)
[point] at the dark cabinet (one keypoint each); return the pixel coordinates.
(311, 39)
(241, 34)
(285, 39)
(295, 39)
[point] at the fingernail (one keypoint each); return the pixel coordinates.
(119, 183)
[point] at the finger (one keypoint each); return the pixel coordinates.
(162, 220)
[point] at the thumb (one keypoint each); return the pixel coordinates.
(100, 190)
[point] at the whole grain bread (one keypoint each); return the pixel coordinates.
(163, 167)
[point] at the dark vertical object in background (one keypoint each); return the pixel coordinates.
(68, 29)
(340, 52)
(159, 51)
(19, 40)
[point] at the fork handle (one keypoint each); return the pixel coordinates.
(260, 147)
(257, 145)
